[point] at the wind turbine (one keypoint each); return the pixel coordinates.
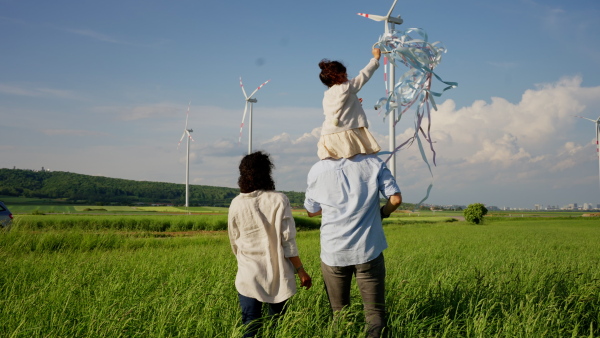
(389, 19)
(187, 132)
(249, 101)
(597, 122)
(389, 25)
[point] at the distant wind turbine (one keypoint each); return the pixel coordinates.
(187, 132)
(249, 101)
(597, 122)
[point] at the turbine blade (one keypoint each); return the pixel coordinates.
(585, 118)
(189, 135)
(181, 139)
(391, 9)
(259, 87)
(373, 16)
(243, 119)
(243, 90)
(187, 115)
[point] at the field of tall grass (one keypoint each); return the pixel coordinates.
(95, 209)
(168, 223)
(508, 278)
(148, 223)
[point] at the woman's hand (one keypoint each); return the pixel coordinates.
(305, 280)
(376, 53)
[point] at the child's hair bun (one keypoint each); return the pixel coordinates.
(324, 63)
(332, 72)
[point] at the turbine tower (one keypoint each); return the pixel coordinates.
(597, 122)
(389, 26)
(249, 101)
(187, 132)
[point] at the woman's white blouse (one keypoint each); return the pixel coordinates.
(262, 234)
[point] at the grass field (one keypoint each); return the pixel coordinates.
(512, 277)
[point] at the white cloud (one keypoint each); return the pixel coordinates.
(499, 144)
(38, 92)
(72, 132)
(485, 150)
(495, 152)
(157, 110)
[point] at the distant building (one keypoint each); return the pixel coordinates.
(588, 206)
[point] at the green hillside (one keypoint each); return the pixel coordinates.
(66, 187)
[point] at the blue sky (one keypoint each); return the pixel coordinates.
(101, 88)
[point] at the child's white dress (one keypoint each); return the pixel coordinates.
(345, 129)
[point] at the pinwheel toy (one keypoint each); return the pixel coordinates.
(413, 88)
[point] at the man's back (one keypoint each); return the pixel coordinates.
(347, 192)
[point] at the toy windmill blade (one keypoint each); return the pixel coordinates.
(242, 124)
(243, 90)
(372, 16)
(259, 87)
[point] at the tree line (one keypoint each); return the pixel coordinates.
(85, 189)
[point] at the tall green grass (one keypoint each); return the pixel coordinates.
(22, 209)
(123, 222)
(503, 279)
(156, 223)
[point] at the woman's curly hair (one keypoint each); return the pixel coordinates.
(255, 172)
(332, 72)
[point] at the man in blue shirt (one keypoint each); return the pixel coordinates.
(346, 193)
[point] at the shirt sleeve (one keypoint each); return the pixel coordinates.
(386, 181)
(288, 232)
(232, 230)
(309, 203)
(365, 74)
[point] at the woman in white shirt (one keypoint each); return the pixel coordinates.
(262, 234)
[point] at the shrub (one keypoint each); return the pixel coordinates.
(307, 223)
(474, 213)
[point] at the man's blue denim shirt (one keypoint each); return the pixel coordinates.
(347, 192)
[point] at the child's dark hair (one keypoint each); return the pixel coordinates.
(255, 173)
(332, 72)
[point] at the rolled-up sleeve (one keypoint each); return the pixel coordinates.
(310, 204)
(288, 233)
(386, 182)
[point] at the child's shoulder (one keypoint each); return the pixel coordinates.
(338, 88)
